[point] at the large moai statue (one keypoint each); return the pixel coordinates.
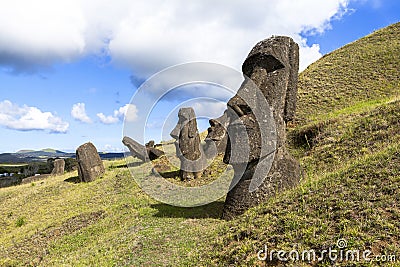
(188, 147)
(272, 66)
(90, 166)
(217, 136)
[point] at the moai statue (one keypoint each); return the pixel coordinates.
(217, 136)
(59, 165)
(272, 66)
(188, 147)
(90, 166)
(144, 153)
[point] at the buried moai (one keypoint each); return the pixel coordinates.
(90, 166)
(272, 67)
(217, 136)
(59, 165)
(188, 147)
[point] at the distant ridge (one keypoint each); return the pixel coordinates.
(28, 155)
(25, 151)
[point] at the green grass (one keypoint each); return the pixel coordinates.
(363, 71)
(346, 136)
(358, 202)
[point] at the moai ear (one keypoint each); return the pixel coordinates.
(192, 125)
(291, 91)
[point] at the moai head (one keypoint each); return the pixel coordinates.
(217, 136)
(187, 144)
(272, 67)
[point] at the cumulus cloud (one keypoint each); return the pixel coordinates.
(147, 36)
(112, 149)
(25, 118)
(129, 112)
(215, 31)
(78, 112)
(209, 109)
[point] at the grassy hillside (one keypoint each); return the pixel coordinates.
(362, 73)
(347, 138)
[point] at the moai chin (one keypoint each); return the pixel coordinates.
(188, 147)
(272, 66)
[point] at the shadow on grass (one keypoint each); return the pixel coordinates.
(171, 174)
(212, 210)
(131, 164)
(74, 180)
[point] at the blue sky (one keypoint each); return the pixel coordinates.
(68, 69)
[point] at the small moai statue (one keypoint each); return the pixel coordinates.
(188, 147)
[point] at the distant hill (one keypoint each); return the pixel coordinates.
(26, 155)
(50, 150)
(24, 151)
(10, 158)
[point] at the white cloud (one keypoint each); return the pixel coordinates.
(107, 119)
(112, 149)
(129, 112)
(27, 118)
(147, 36)
(78, 112)
(209, 109)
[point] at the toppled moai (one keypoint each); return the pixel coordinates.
(59, 165)
(272, 66)
(188, 147)
(217, 137)
(144, 153)
(90, 166)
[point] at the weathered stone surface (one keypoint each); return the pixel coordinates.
(90, 166)
(188, 147)
(58, 169)
(143, 153)
(272, 66)
(217, 137)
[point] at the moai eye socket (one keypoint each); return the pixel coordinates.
(267, 62)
